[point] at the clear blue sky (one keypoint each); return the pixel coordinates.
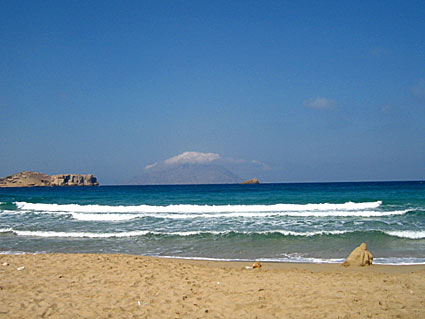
(317, 90)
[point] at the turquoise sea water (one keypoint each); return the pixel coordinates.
(320, 222)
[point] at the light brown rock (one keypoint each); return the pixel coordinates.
(251, 181)
(360, 256)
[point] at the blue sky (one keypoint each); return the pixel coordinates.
(314, 90)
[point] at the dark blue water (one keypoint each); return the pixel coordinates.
(318, 222)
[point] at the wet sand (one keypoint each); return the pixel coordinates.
(124, 286)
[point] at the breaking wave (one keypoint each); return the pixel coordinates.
(348, 206)
(401, 234)
(122, 213)
(411, 234)
(104, 217)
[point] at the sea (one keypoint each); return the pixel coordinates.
(291, 222)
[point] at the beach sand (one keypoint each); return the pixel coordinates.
(124, 286)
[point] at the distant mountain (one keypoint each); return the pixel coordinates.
(187, 174)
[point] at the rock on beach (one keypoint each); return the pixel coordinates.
(360, 256)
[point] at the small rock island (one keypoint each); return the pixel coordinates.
(34, 179)
(251, 181)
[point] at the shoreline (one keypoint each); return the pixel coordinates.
(265, 261)
(335, 261)
(123, 286)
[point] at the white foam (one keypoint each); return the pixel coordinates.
(107, 235)
(348, 206)
(282, 232)
(194, 233)
(283, 213)
(299, 259)
(103, 217)
(12, 252)
(402, 234)
(307, 260)
(399, 261)
(147, 232)
(183, 233)
(407, 234)
(121, 213)
(307, 234)
(78, 234)
(10, 211)
(310, 260)
(111, 217)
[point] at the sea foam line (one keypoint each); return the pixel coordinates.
(112, 217)
(411, 234)
(78, 234)
(122, 213)
(377, 261)
(104, 217)
(196, 208)
(310, 260)
(401, 234)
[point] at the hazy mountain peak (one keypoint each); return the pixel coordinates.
(187, 174)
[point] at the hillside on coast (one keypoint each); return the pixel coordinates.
(34, 179)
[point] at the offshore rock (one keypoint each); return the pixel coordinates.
(251, 181)
(33, 179)
(360, 256)
(73, 180)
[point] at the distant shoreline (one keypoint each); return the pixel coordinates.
(218, 184)
(272, 183)
(37, 179)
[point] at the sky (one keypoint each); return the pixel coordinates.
(308, 90)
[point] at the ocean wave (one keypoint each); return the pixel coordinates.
(108, 217)
(17, 252)
(78, 234)
(147, 232)
(80, 216)
(400, 234)
(104, 235)
(411, 234)
(104, 217)
(123, 213)
(348, 206)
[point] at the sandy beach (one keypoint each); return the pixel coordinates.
(125, 286)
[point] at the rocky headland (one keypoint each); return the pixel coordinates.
(34, 179)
